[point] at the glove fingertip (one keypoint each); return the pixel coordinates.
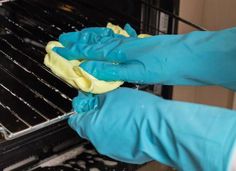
(76, 104)
(90, 67)
(62, 37)
(59, 50)
(130, 30)
(96, 69)
(63, 52)
(68, 36)
(56, 49)
(72, 121)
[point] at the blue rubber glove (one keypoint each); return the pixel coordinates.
(198, 58)
(137, 127)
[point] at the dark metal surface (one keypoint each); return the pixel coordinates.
(26, 151)
(171, 9)
(29, 93)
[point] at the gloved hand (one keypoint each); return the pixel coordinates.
(198, 58)
(137, 127)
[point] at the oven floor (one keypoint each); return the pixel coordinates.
(83, 158)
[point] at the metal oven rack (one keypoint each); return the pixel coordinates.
(34, 103)
(8, 135)
(31, 96)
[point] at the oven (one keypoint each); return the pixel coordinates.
(35, 103)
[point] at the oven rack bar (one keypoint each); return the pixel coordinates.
(8, 135)
(3, 1)
(31, 96)
(176, 17)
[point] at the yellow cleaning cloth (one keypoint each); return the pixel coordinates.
(76, 76)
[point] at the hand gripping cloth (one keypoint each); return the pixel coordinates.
(76, 76)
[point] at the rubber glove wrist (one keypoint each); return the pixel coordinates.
(203, 58)
(185, 136)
